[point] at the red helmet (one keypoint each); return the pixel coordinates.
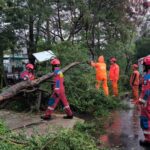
(135, 66)
(113, 59)
(55, 62)
(29, 66)
(146, 60)
(146, 4)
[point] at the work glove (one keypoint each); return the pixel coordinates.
(141, 101)
(25, 78)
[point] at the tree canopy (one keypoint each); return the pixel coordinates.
(103, 27)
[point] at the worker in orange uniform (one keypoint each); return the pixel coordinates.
(134, 83)
(114, 75)
(101, 74)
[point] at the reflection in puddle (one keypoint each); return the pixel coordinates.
(123, 130)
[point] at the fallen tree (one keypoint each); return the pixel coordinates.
(19, 87)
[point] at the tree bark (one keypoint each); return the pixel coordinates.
(48, 30)
(59, 21)
(17, 88)
(1, 69)
(31, 48)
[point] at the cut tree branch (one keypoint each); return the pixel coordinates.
(17, 88)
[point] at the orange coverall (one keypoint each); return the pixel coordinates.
(134, 83)
(114, 77)
(101, 74)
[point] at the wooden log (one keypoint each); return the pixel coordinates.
(15, 89)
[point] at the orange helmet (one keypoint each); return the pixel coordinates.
(29, 66)
(135, 66)
(113, 59)
(55, 62)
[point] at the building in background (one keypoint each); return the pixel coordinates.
(13, 66)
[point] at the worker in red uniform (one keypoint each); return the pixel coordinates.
(145, 103)
(28, 73)
(134, 83)
(101, 74)
(114, 75)
(58, 93)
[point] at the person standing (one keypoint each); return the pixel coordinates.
(58, 93)
(114, 75)
(144, 100)
(101, 74)
(134, 83)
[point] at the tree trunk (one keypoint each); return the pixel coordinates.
(59, 21)
(31, 48)
(17, 88)
(1, 69)
(48, 30)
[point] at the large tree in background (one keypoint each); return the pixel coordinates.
(8, 41)
(143, 47)
(104, 26)
(67, 19)
(27, 17)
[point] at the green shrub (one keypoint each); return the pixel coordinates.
(124, 83)
(3, 128)
(63, 139)
(68, 52)
(5, 143)
(67, 140)
(9, 146)
(82, 95)
(80, 81)
(93, 128)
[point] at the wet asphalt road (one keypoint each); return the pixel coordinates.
(123, 130)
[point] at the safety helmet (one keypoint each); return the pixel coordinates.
(113, 59)
(55, 61)
(146, 60)
(135, 66)
(29, 66)
(146, 4)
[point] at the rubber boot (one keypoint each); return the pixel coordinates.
(69, 113)
(144, 143)
(68, 117)
(46, 117)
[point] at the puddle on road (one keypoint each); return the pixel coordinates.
(123, 131)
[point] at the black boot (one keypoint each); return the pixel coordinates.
(144, 143)
(68, 117)
(46, 117)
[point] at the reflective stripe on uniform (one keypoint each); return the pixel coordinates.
(142, 100)
(66, 107)
(50, 108)
(146, 132)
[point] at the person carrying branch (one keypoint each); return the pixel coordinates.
(58, 93)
